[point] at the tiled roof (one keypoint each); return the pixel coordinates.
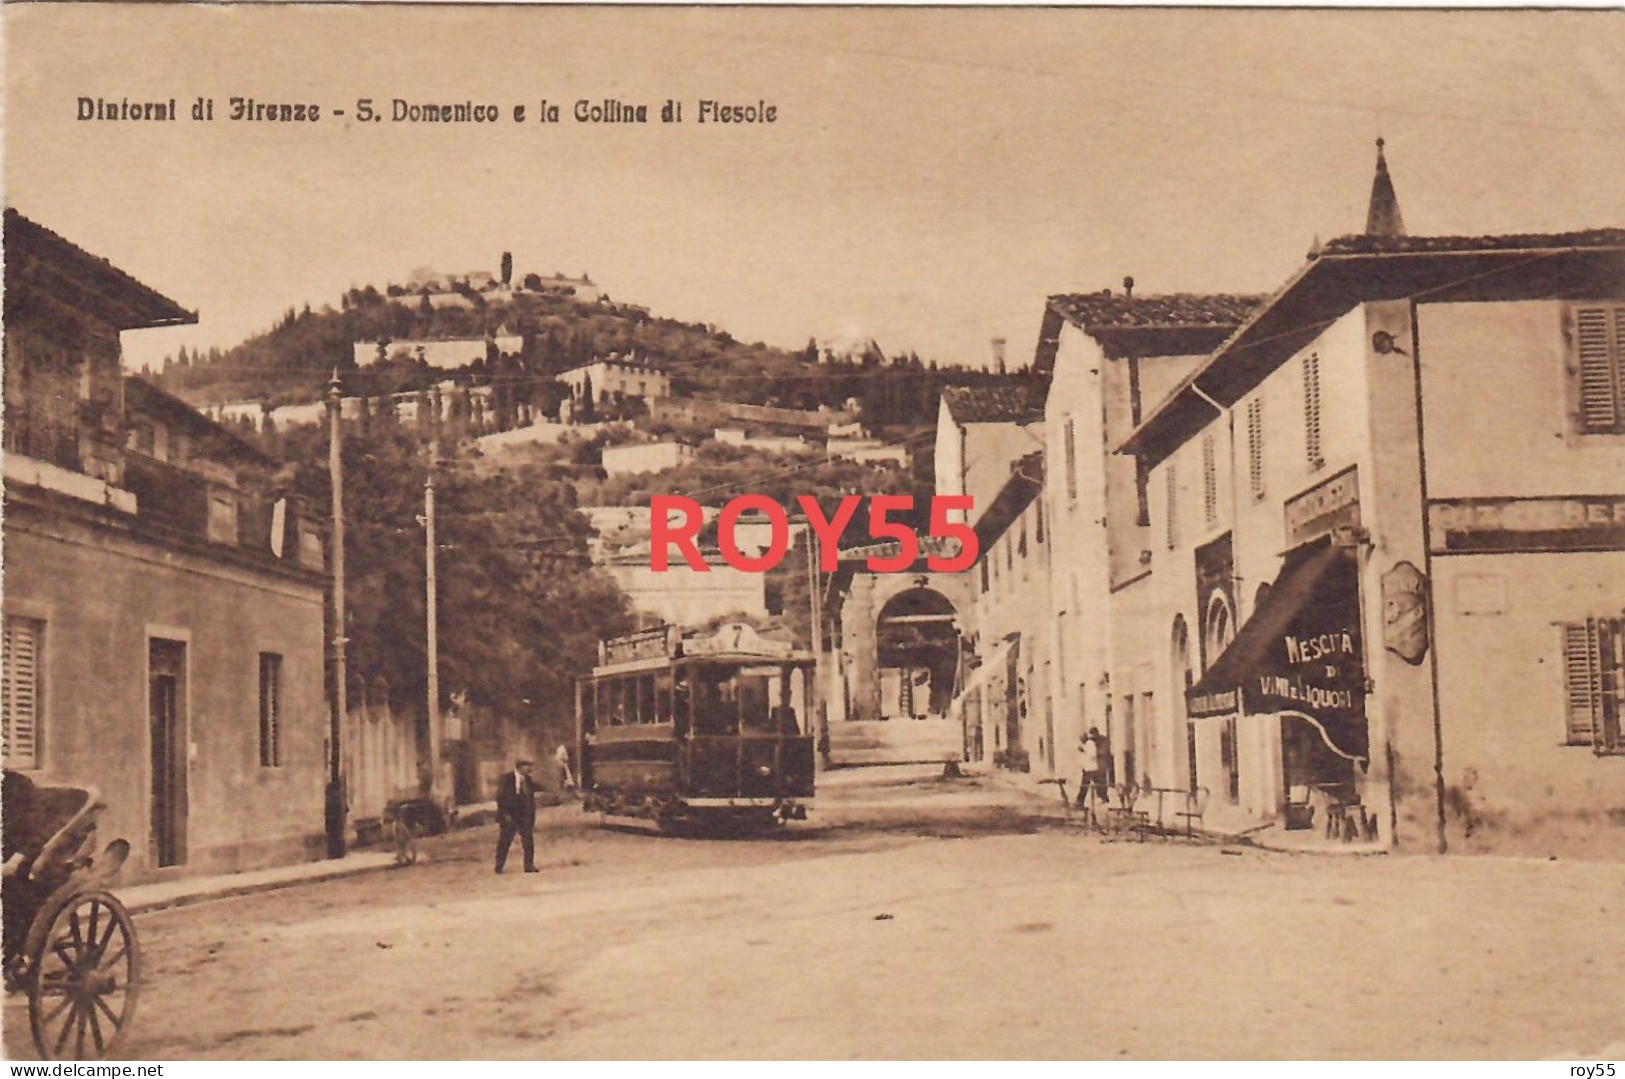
(143, 398)
(1351, 270)
(130, 304)
(1010, 402)
(1103, 310)
(1416, 245)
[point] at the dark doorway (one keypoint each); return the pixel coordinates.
(166, 711)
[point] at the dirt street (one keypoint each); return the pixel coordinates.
(910, 918)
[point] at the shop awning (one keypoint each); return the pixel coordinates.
(1299, 655)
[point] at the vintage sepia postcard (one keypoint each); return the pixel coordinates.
(803, 533)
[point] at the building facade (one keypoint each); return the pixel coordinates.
(163, 608)
(615, 379)
(1110, 358)
(1387, 524)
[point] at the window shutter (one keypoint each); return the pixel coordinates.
(1311, 410)
(1071, 463)
(1255, 445)
(1610, 685)
(21, 692)
(1210, 480)
(1597, 359)
(1581, 682)
(1171, 513)
(270, 710)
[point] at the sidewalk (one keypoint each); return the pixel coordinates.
(164, 895)
(1222, 824)
(144, 898)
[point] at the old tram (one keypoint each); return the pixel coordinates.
(697, 730)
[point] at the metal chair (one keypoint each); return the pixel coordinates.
(1125, 816)
(1195, 806)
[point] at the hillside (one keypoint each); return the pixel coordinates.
(293, 361)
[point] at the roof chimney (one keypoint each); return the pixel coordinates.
(1383, 218)
(1128, 288)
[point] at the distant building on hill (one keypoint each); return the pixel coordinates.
(443, 355)
(639, 457)
(615, 379)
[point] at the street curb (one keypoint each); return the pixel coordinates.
(231, 891)
(370, 860)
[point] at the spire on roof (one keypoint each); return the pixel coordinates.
(1383, 218)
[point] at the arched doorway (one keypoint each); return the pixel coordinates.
(1219, 626)
(917, 640)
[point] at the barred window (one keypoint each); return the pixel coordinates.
(1255, 446)
(1311, 410)
(1598, 346)
(270, 710)
(22, 673)
(1210, 480)
(1592, 665)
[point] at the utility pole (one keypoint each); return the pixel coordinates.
(818, 718)
(337, 799)
(431, 605)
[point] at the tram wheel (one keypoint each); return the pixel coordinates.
(83, 983)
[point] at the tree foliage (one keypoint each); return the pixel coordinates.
(521, 609)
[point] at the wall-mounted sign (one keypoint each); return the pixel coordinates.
(1405, 612)
(1582, 523)
(1332, 504)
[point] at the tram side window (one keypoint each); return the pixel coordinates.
(663, 692)
(646, 700)
(716, 701)
(681, 693)
(754, 700)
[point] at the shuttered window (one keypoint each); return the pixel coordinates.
(1071, 462)
(21, 666)
(1210, 480)
(1598, 343)
(270, 710)
(1592, 666)
(1171, 513)
(1255, 446)
(1311, 411)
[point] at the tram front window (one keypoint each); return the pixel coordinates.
(716, 701)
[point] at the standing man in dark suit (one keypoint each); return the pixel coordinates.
(516, 814)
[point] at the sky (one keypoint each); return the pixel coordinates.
(932, 175)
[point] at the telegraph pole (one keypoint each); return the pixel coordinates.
(431, 605)
(818, 718)
(337, 800)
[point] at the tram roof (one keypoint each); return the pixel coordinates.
(714, 659)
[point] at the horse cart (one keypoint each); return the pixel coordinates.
(69, 943)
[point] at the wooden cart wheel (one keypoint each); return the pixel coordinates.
(82, 984)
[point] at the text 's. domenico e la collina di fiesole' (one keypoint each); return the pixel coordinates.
(403, 111)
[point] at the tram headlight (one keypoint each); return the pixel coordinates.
(764, 770)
